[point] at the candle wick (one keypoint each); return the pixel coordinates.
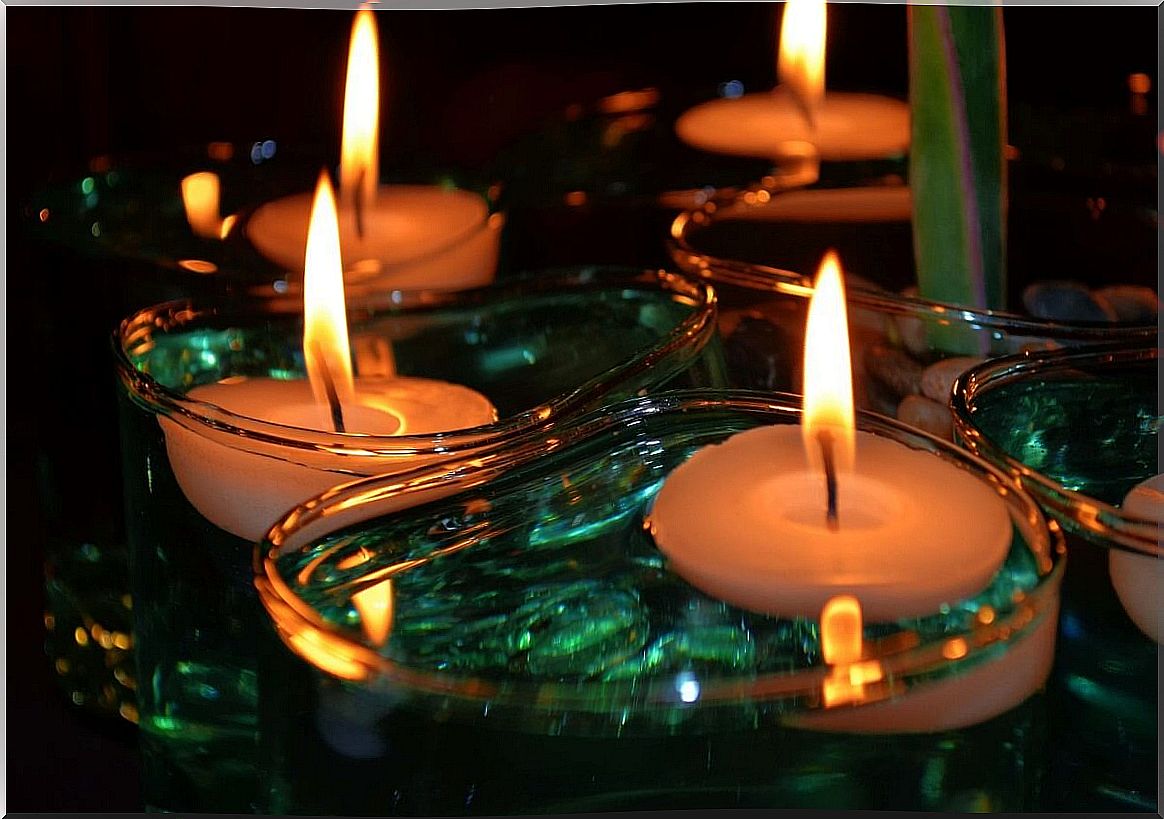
(359, 202)
(825, 439)
(333, 401)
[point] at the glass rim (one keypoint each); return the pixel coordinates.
(1099, 520)
(290, 615)
(765, 278)
(695, 329)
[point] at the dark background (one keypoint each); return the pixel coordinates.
(459, 86)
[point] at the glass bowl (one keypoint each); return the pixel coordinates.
(202, 482)
(504, 637)
(906, 350)
(1080, 429)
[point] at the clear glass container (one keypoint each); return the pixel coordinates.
(906, 350)
(1079, 430)
(505, 637)
(202, 482)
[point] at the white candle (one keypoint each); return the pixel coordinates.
(849, 126)
(415, 237)
(401, 237)
(1139, 579)
(776, 125)
(241, 483)
(745, 522)
(751, 522)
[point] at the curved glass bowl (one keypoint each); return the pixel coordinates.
(1079, 429)
(202, 482)
(505, 638)
(906, 350)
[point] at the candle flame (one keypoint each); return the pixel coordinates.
(841, 645)
(376, 610)
(200, 193)
(360, 144)
(801, 60)
(325, 322)
(840, 630)
(828, 370)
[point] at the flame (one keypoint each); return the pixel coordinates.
(200, 193)
(325, 322)
(828, 370)
(801, 59)
(841, 645)
(375, 607)
(840, 630)
(360, 146)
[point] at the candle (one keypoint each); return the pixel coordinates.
(402, 236)
(244, 490)
(751, 520)
(1139, 579)
(775, 125)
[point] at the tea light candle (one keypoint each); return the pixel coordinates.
(243, 491)
(775, 125)
(848, 126)
(242, 484)
(750, 520)
(1138, 580)
(744, 521)
(403, 236)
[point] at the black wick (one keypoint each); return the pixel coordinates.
(333, 402)
(825, 439)
(359, 203)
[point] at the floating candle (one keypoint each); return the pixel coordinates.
(401, 236)
(1139, 579)
(751, 520)
(775, 125)
(243, 490)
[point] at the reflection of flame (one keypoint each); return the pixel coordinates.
(200, 192)
(841, 646)
(325, 323)
(828, 376)
(327, 653)
(801, 59)
(375, 607)
(360, 148)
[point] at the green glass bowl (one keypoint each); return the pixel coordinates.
(542, 657)
(542, 348)
(1079, 429)
(906, 350)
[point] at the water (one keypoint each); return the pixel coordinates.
(196, 615)
(543, 658)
